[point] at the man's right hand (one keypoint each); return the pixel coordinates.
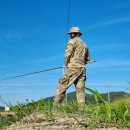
(90, 61)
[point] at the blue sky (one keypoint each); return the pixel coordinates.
(33, 37)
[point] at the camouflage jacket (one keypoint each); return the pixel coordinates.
(77, 53)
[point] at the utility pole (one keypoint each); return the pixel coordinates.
(1, 100)
(109, 95)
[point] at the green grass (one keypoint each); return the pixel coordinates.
(100, 114)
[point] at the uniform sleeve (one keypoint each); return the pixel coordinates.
(68, 52)
(87, 56)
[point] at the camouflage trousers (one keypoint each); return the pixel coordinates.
(76, 76)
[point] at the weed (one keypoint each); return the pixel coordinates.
(101, 114)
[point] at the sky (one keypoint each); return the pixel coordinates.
(33, 37)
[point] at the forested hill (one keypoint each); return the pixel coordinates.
(90, 98)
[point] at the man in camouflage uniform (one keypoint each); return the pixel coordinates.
(76, 57)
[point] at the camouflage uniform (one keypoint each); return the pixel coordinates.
(76, 57)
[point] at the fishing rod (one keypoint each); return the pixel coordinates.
(36, 72)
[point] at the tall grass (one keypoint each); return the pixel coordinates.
(21, 110)
(100, 114)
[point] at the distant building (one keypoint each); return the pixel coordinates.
(7, 108)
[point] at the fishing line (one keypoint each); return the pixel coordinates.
(68, 19)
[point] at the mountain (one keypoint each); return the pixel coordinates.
(90, 97)
(2, 108)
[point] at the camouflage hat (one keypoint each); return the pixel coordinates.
(75, 30)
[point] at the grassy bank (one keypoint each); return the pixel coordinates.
(98, 115)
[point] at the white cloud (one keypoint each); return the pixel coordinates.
(119, 6)
(54, 58)
(108, 84)
(113, 63)
(11, 35)
(116, 21)
(110, 47)
(23, 85)
(108, 23)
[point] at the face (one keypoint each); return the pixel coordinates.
(72, 35)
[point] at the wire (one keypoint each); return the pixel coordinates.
(68, 19)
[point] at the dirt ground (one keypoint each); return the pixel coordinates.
(37, 121)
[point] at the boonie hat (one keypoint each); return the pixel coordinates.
(75, 30)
